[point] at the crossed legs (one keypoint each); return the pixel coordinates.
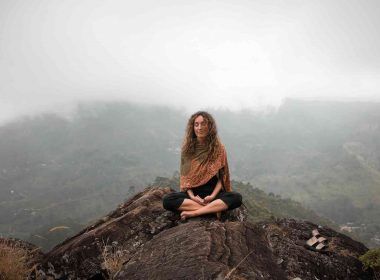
(190, 208)
(189, 205)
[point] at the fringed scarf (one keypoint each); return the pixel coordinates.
(197, 170)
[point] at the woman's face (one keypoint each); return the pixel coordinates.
(200, 127)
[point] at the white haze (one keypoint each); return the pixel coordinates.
(188, 54)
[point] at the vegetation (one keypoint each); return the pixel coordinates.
(371, 259)
(14, 262)
(324, 155)
(114, 257)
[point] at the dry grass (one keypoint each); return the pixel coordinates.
(233, 269)
(13, 262)
(277, 229)
(113, 258)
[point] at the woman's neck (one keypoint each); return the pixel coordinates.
(201, 141)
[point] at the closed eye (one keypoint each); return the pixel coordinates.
(203, 124)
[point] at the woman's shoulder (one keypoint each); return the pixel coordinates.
(222, 147)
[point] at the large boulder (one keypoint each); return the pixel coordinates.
(131, 225)
(241, 250)
(150, 242)
(205, 250)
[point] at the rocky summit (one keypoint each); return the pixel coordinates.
(142, 240)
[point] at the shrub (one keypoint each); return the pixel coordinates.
(14, 262)
(371, 259)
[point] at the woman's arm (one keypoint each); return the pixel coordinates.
(214, 193)
(190, 193)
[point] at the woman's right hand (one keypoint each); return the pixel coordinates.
(199, 200)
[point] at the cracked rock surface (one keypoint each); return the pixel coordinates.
(157, 245)
(204, 250)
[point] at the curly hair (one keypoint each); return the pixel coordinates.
(212, 139)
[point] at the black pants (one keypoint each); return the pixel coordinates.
(173, 201)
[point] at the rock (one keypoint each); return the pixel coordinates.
(150, 242)
(212, 250)
(287, 237)
(130, 226)
(204, 250)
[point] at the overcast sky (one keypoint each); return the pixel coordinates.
(189, 53)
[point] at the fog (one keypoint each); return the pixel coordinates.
(187, 54)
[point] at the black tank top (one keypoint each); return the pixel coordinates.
(207, 188)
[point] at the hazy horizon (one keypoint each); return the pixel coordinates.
(204, 54)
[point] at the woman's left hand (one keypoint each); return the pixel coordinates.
(208, 198)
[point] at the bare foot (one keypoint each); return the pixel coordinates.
(186, 214)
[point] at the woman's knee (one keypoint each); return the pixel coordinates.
(172, 201)
(237, 200)
(166, 201)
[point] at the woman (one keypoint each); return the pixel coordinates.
(205, 181)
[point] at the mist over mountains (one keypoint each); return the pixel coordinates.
(57, 171)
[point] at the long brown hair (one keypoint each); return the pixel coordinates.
(212, 139)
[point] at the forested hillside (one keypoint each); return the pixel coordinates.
(53, 168)
(60, 173)
(324, 154)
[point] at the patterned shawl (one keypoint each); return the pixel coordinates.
(196, 171)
